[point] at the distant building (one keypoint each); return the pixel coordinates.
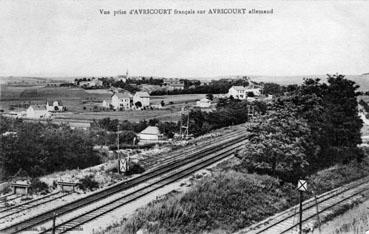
(123, 77)
(106, 104)
(95, 82)
(241, 92)
(56, 106)
(203, 103)
(37, 112)
(237, 92)
(151, 134)
(142, 97)
(121, 101)
(173, 83)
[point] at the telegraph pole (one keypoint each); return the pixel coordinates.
(300, 223)
(54, 219)
(302, 187)
(118, 137)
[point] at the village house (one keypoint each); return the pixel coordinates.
(173, 84)
(143, 98)
(203, 103)
(241, 92)
(95, 82)
(56, 106)
(151, 134)
(121, 101)
(37, 112)
(237, 92)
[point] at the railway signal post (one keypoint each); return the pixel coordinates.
(54, 219)
(302, 187)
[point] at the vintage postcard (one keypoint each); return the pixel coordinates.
(184, 116)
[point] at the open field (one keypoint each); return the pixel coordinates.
(80, 103)
(177, 99)
(134, 116)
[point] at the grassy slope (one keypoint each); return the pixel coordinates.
(230, 200)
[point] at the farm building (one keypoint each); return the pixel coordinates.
(173, 84)
(92, 83)
(37, 112)
(241, 92)
(151, 134)
(143, 98)
(203, 103)
(56, 106)
(106, 104)
(121, 101)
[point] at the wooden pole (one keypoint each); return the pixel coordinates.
(54, 219)
(300, 223)
(317, 210)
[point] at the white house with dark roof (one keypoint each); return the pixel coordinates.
(151, 134)
(37, 112)
(121, 101)
(142, 97)
(237, 92)
(241, 92)
(55, 106)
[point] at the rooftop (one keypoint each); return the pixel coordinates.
(151, 130)
(142, 94)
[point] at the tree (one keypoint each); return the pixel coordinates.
(330, 110)
(138, 104)
(250, 94)
(272, 88)
(153, 122)
(40, 149)
(210, 96)
(280, 146)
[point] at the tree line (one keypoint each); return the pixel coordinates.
(314, 127)
(215, 86)
(43, 148)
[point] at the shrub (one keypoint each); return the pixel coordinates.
(135, 168)
(38, 186)
(88, 183)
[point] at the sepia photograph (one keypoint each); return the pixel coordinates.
(184, 116)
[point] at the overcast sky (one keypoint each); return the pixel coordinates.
(71, 38)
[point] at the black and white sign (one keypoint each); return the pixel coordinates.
(302, 185)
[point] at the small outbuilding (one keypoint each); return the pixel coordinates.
(203, 103)
(151, 134)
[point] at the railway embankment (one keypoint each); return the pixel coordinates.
(230, 199)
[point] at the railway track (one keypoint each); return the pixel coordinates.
(13, 197)
(12, 210)
(217, 149)
(178, 154)
(103, 209)
(287, 221)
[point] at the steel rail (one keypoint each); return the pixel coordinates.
(326, 208)
(23, 207)
(309, 204)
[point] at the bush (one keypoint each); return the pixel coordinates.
(38, 186)
(88, 183)
(135, 168)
